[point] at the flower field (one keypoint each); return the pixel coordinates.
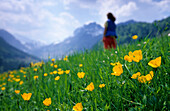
(133, 77)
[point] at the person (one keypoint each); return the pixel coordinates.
(109, 36)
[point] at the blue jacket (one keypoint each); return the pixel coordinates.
(111, 28)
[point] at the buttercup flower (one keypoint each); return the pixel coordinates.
(47, 102)
(67, 71)
(134, 76)
(3, 88)
(80, 74)
(60, 72)
(21, 82)
(54, 72)
(55, 66)
(26, 96)
(78, 107)
(35, 77)
(90, 87)
(117, 69)
(149, 76)
(137, 55)
(134, 37)
(57, 78)
(45, 74)
(53, 60)
(102, 85)
(155, 63)
(127, 58)
(17, 91)
(17, 80)
(35, 69)
(142, 79)
(80, 65)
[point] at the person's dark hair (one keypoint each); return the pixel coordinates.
(111, 17)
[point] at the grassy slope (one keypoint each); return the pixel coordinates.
(120, 92)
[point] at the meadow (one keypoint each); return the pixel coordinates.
(133, 77)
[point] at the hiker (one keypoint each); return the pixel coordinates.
(109, 36)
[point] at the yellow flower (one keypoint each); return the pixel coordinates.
(117, 70)
(127, 58)
(134, 37)
(90, 87)
(149, 76)
(17, 80)
(155, 63)
(51, 64)
(55, 66)
(102, 85)
(137, 55)
(21, 82)
(24, 75)
(59, 69)
(51, 73)
(80, 65)
(3, 88)
(134, 76)
(65, 59)
(18, 76)
(26, 96)
(35, 77)
(47, 102)
(78, 107)
(11, 75)
(53, 60)
(142, 79)
(60, 72)
(3, 84)
(35, 69)
(80, 74)
(17, 91)
(45, 74)
(67, 71)
(57, 78)
(54, 72)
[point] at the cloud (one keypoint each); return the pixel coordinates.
(34, 19)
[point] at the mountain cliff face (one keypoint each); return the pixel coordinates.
(84, 38)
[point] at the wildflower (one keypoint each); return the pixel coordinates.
(17, 91)
(134, 37)
(35, 69)
(47, 102)
(127, 58)
(60, 72)
(67, 71)
(51, 64)
(139, 45)
(80, 74)
(59, 69)
(3, 88)
(117, 70)
(169, 34)
(53, 60)
(134, 76)
(55, 66)
(90, 87)
(26, 96)
(54, 72)
(142, 79)
(17, 80)
(137, 55)
(51, 73)
(78, 107)
(24, 75)
(11, 75)
(3, 84)
(155, 63)
(21, 82)
(49, 57)
(35, 77)
(102, 85)
(57, 78)
(144, 42)
(80, 65)
(149, 76)
(45, 74)
(115, 52)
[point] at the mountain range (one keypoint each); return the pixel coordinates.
(86, 37)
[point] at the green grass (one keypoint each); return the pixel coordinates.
(120, 92)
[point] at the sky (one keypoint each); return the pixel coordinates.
(52, 21)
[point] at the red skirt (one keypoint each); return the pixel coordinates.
(109, 42)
